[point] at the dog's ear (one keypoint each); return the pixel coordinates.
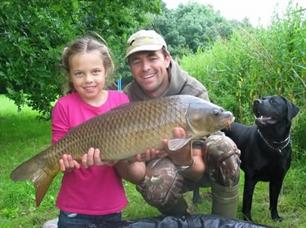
(292, 110)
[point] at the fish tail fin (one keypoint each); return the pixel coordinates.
(32, 170)
(42, 184)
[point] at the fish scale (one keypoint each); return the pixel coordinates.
(125, 132)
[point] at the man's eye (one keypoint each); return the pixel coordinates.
(153, 58)
(135, 62)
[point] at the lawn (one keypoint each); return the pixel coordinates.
(23, 134)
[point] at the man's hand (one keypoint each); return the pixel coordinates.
(180, 157)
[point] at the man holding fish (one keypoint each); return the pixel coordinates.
(156, 75)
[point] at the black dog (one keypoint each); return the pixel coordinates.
(265, 149)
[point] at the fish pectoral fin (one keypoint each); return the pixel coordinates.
(178, 143)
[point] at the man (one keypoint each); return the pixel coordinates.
(155, 75)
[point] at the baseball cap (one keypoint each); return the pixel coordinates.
(145, 40)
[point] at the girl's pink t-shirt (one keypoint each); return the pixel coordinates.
(97, 190)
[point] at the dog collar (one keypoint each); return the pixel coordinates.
(279, 148)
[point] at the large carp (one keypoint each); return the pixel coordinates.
(125, 132)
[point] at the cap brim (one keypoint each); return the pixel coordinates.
(144, 48)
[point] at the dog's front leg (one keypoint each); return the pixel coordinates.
(249, 186)
(274, 190)
(196, 198)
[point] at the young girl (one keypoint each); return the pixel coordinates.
(91, 193)
(88, 196)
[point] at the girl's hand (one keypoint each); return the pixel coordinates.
(92, 157)
(67, 163)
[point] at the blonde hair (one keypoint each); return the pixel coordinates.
(86, 44)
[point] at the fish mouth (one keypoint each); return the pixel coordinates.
(229, 122)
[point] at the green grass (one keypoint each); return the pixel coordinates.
(22, 135)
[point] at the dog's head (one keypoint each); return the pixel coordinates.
(271, 110)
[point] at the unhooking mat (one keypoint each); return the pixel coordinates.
(193, 221)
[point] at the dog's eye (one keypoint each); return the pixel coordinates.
(273, 101)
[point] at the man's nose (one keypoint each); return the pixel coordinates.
(145, 66)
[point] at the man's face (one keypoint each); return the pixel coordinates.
(149, 69)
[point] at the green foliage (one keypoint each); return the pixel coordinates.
(298, 135)
(190, 27)
(33, 34)
(254, 63)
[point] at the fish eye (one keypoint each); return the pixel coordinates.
(216, 112)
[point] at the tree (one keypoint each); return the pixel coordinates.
(34, 32)
(191, 26)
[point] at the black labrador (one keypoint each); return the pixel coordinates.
(265, 149)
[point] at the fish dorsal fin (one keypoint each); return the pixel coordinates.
(178, 143)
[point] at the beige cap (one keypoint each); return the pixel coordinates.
(145, 40)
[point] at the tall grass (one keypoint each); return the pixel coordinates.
(22, 135)
(253, 63)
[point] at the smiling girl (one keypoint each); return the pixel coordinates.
(88, 196)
